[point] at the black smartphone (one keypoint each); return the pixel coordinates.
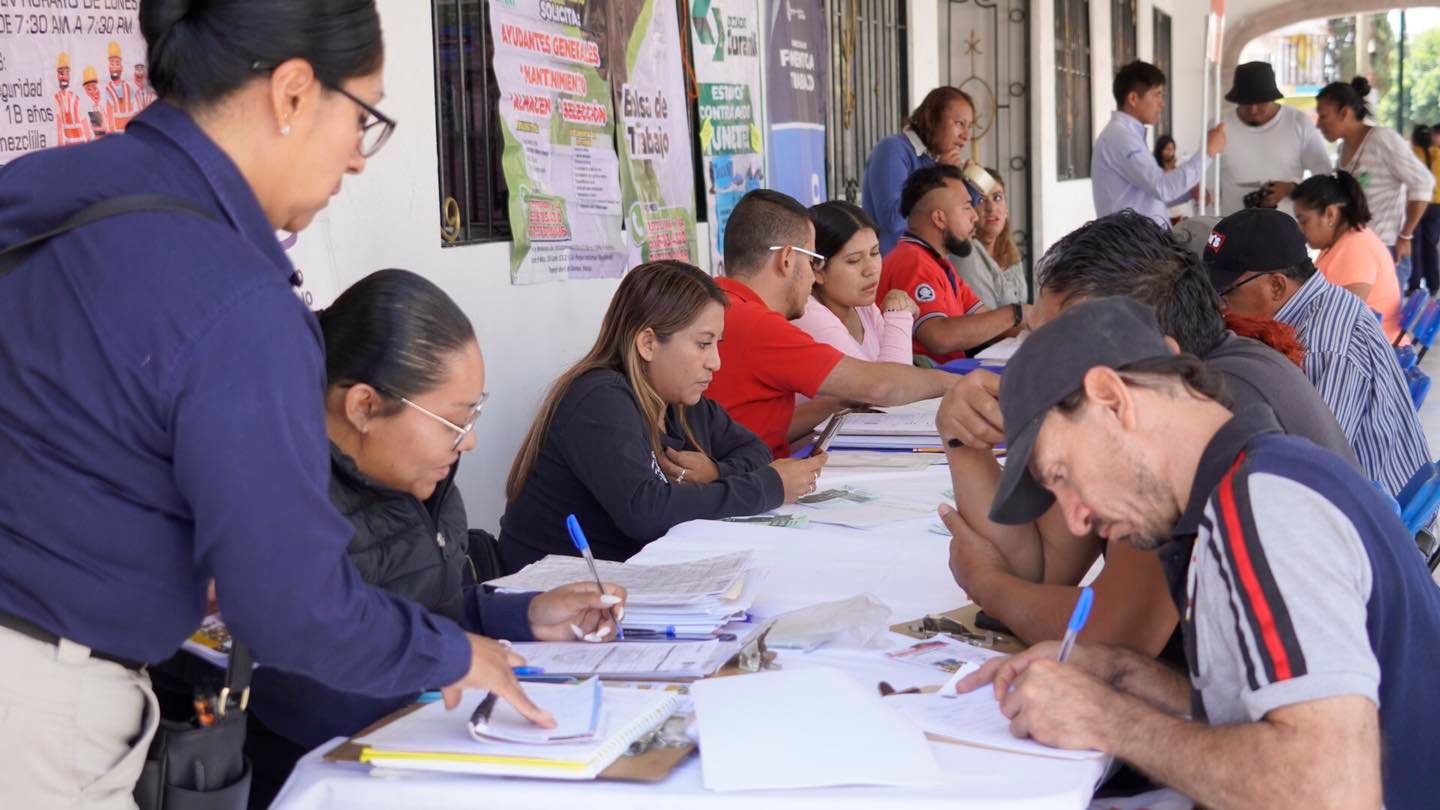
(828, 434)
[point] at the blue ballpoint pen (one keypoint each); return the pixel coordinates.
(1077, 623)
(577, 536)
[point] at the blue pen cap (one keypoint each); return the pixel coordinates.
(1082, 610)
(577, 535)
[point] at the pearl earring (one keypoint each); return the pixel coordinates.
(285, 129)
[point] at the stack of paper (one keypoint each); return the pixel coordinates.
(575, 707)
(434, 739)
(974, 718)
(700, 596)
(905, 430)
(650, 661)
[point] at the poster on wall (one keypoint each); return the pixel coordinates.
(559, 160)
(732, 143)
(69, 73)
(796, 50)
(657, 177)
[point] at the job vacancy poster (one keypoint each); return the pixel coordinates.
(726, 36)
(71, 71)
(551, 64)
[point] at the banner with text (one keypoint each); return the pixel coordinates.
(732, 143)
(551, 65)
(657, 178)
(71, 71)
(796, 54)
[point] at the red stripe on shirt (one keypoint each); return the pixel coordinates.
(1245, 572)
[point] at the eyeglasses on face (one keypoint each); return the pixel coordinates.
(816, 260)
(1228, 291)
(461, 430)
(375, 129)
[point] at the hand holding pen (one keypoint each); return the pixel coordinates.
(577, 536)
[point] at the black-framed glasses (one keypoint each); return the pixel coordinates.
(375, 130)
(1225, 293)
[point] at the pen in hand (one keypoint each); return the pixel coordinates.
(1077, 623)
(577, 536)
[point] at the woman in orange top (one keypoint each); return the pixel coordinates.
(1333, 213)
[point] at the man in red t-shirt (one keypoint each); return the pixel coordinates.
(939, 220)
(765, 360)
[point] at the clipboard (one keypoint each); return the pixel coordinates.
(965, 616)
(651, 766)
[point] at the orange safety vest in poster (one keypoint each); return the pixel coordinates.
(120, 105)
(71, 125)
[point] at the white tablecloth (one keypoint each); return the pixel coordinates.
(904, 564)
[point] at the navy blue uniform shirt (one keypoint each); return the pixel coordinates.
(161, 423)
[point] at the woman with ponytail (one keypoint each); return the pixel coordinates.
(161, 414)
(1397, 185)
(1334, 216)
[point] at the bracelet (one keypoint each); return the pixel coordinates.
(1019, 314)
(1406, 238)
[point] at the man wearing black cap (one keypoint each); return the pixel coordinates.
(1271, 145)
(1312, 629)
(1259, 265)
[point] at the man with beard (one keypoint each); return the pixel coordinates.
(939, 220)
(765, 360)
(1311, 626)
(121, 103)
(71, 123)
(1272, 146)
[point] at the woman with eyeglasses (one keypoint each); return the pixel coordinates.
(405, 384)
(161, 412)
(627, 441)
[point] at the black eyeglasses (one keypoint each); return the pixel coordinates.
(1225, 293)
(375, 129)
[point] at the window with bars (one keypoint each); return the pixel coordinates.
(1073, 89)
(868, 97)
(473, 194)
(1124, 46)
(1163, 49)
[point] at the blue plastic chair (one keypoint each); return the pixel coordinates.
(1420, 497)
(1406, 357)
(1410, 313)
(1418, 382)
(1426, 329)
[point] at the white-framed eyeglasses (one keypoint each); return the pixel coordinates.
(816, 260)
(461, 430)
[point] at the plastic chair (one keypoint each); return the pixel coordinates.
(1406, 357)
(1420, 497)
(1418, 382)
(1410, 313)
(1426, 329)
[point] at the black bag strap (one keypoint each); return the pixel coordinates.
(237, 680)
(14, 255)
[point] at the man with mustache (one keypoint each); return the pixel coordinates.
(71, 124)
(121, 103)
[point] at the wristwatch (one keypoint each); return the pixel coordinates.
(1019, 314)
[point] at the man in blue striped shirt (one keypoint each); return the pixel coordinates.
(1258, 263)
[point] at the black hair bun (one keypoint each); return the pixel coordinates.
(1361, 85)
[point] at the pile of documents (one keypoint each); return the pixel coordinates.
(905, 429)
(685, 599)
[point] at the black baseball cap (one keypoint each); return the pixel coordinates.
(1253, 240)
(1051, 365)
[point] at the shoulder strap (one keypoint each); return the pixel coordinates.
(14, 255)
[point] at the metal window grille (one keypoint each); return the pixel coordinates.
(1073, 85)
(1164, 47)
(1124, 47)
(473, 194)
(868, 98)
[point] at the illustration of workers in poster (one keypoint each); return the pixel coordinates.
(120, 101)
(72, 125)
(96, 107)
(144, 93)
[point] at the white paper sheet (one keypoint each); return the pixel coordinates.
(677, 584)
(804, 728)
(622, 659)
(845, 459)
(974, 717)
(1001, 350)
(942, 653)
(575, 707)
(888, 424)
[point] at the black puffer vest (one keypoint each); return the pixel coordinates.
(410, 548)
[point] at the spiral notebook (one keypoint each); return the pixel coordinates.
(434, 739)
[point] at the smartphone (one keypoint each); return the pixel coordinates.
(828, 434)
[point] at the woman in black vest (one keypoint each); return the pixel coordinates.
(405, 384)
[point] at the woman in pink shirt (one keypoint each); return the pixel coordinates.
(841, 310)
(1333, 212)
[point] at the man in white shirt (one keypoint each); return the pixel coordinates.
(1123, 171)
(1272, 146)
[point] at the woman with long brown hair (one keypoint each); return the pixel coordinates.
(994, 272)
(626, 440)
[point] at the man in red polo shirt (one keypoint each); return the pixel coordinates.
(765, 360)
(939, 220)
